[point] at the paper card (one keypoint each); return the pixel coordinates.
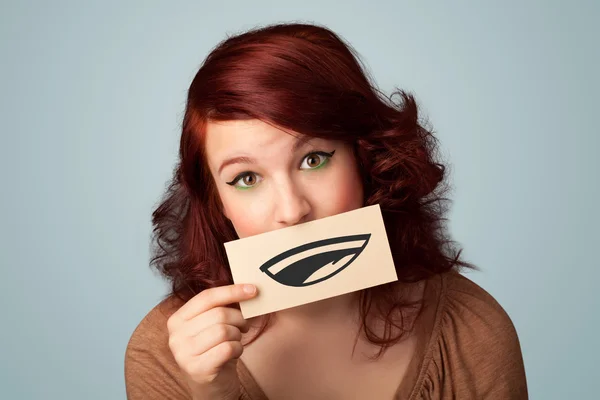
(313, 261)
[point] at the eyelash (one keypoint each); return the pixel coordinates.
(246, 173)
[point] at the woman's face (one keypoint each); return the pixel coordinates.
(268, 179)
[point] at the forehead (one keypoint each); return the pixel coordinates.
(225, 137)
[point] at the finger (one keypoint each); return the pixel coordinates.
(211, 361)
(213, 336)
(215, 297)
(217, 315)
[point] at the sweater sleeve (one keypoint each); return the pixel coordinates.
(151, 372)
(476, 354)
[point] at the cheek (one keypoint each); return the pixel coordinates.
(248, 217)
(347, 196)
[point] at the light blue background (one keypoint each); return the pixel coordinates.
(92, 96)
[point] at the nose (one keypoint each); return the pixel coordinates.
(292, 206)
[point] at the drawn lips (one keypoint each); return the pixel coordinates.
(315, 262)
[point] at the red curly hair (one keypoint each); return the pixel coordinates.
(306, 79)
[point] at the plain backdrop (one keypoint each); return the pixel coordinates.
(92, 96)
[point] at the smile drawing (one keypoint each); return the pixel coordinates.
(315, 262)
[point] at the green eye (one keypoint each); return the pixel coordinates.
(315, 160)
(245, 180)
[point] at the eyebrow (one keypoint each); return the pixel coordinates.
(249, 160)
(237, 160)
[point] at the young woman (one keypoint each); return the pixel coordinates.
(283, 126)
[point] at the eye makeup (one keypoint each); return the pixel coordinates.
(240, 177)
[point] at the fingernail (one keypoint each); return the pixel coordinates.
(249, 289)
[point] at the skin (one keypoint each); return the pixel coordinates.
(284, 187)
(290, 184)
(280, 181)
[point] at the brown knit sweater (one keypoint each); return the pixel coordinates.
(467, 349)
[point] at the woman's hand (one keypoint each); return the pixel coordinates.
(205, 339)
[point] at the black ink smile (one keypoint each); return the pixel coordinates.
(298, 273)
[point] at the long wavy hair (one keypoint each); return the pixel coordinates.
(307, 79)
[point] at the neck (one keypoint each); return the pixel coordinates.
(336, 309)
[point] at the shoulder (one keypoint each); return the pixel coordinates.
(474, 349)
(150, 369)
(465, 300)
(154, 324)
